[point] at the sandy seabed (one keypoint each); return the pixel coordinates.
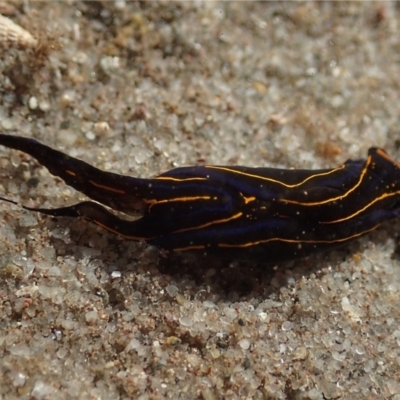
(139, 88)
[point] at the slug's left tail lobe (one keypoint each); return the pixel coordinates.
(131, 230)
(110, 189)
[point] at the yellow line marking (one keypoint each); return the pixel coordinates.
(384, 196)
(342, 196)
(249, 199)
(218, 221)
(108, 188)
(250, 244)
(116, 232)
(167, 178)
(69, 172)
(386, 156)
(153, 202)
(263, 178)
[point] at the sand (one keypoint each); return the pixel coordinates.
(140, 88)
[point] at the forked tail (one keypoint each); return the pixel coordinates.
(113, 190)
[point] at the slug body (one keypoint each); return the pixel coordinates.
(266, 214)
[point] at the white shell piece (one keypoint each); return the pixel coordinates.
(14, 36)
